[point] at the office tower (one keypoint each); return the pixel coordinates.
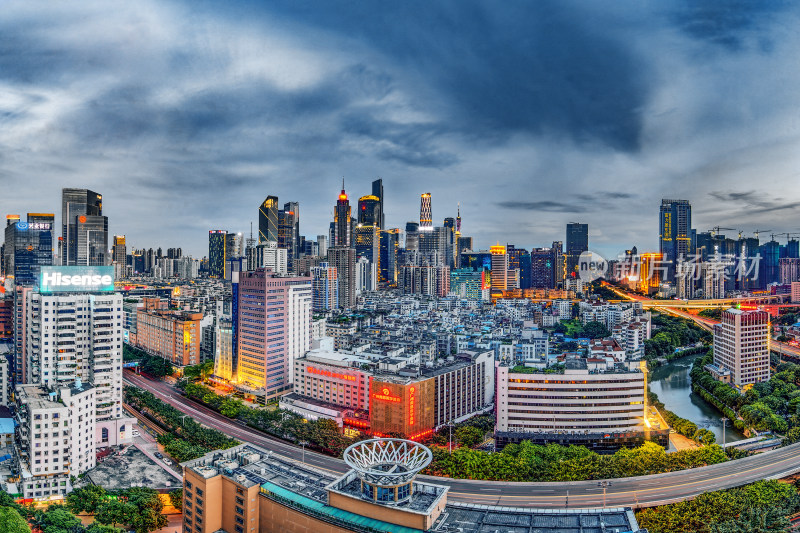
(366, 276)
(369, 211)
(74, 331)
(577, 243)
(377, 190)
(322, 245)
(119, 256)
(560, 264)
(741, 347)
(466, 283)
(433, 245)
(266, 354)
(450, 240)
(341, 221)
(268, 220)
(770, 263)
(84, 231)
(343, 259)
(233, 250)
(412, 237)
(28, 246)
(675, 233)
(425, 213)
(542, 268)
(325, 288)
(499, 267)
(390, 243)
(216, 253)
(289, 230)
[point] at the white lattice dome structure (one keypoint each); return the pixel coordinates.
(387, 463)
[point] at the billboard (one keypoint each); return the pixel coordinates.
(76, 279)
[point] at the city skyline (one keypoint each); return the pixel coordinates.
(214, 109)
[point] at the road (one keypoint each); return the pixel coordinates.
(644, 491)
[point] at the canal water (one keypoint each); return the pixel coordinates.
(673, 386)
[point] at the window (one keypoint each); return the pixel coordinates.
(239, 510)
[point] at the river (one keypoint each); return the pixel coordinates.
(673, 386)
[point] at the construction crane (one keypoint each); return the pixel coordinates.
(716, 229)
(756, 232)
(788, 235)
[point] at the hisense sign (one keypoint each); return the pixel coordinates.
(76, 279)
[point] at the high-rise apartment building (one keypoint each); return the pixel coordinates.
(343, 259)
(28, 246)
(741, 346)
(74, 332)
(425, 213)
(84, 235)
(322, 245)
(271, 257)
(268, 220)
(675, 233)
(325, 287)
(274, 328)
(173, 335)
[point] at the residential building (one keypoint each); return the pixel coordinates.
(741, 346)
(325, 287)
(173, 335)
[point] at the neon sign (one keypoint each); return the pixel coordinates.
(411, 406)
(386, 396)
(328, 373)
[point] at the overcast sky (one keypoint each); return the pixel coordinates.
(185, 115)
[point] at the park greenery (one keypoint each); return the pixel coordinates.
(532, 462)
(685, 427)
(468, 433)
(671, 332)
(154, 365)
(772, 405)
(184, 439)
(760, 507)
(577, 330)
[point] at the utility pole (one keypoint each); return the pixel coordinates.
(303, 444)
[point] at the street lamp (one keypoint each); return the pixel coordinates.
(605, 485)
(724, 423)
(182, 419)
(303, 444)
(450, 442)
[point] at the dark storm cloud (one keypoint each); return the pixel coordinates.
(186, 115)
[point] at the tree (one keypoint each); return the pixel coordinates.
(86, 499)
(755, 520)
(176, 498)
(57, 519)
(12, 522)
(116, 512)
(595, 330)
(469, 436)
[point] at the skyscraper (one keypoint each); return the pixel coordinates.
(377, 190)
(425, 213)
(341, 221)
(28, 246)
(289, 231)
(84, 232)
(119, 256)
(577, 243)
(268, 220)
(741, 346)
(390, 242)
(325, 287)
(216, 253)
(343, 259)
(499, 267)
(412, 236)
(675, 232)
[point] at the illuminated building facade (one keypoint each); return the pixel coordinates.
(425, 213)
(84, 232)
(577, 243)
(467, 283)
(173, 335)
(741, 346)
(342, 226)
(651, 270)
(499, 267)
(268, 220)
(404, 407)
(224, 365)
(675, 232)
(119, 256)
(273, 329)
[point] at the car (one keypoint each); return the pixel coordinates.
(135, 433)
(167, 461)
(159, 455)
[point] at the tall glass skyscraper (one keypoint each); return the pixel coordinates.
(577, 243)
(28, 246)
(675, 232)
(268, 220)
(84, 232)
